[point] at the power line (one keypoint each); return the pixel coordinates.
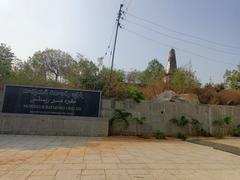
(183, 50)
(182, 33)
(127, 5)
(180, 39)
(110, 42)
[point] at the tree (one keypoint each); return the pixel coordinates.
(6, 58)
(51, 63)
(232, 78)
(23, 73)
(118, 86)
(154, 72)
(184, 79)
(88, 73)
(134, 77)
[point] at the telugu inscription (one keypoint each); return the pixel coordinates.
(51, 101)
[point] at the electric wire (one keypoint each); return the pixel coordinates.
(182, 33)
(180, 49)
(180, 39)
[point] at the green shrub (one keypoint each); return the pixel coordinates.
(222, 127)
(236, 131)
(227, 120)
(135, 94)
(159, 135)
(121, 114)
(183, 121)
(181, 136)
(139, 120)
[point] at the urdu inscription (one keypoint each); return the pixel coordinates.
(51, 101)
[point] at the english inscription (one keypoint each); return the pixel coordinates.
(35, 100)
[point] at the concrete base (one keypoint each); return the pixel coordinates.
(53, 125)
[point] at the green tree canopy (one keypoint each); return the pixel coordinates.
(51, 63)
(184, 79)
(153, 72)
(6, 58)
(232, 78)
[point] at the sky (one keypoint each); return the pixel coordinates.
(86, 26)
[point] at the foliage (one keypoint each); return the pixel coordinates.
(232, 78)
(121, 114)
(51, 63)
(134, 77)
(153, 89)
(86, 74)
(227, 120)
(183, 80)
(117, 88)
(222, 126)
(197, 128)
(57, 68)
(181, 136)
(181, 122)
(159, 135)
(236, 131)
(139, 120)
(154, 72)
(136, 94)
(6, 58)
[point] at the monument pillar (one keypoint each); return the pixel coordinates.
(171, 67)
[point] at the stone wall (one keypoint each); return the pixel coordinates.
(158, 114)
(52, 125)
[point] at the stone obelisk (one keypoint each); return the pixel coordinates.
(171, 67)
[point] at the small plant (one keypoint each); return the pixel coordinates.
(136, 94)
(181, 136)
(221, 127)
(227, 120)
(139, 121)
(183, 121)
(236, 131)
(159, 135)
(121, 114)
(196, 127)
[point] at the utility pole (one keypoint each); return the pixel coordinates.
(115, 40)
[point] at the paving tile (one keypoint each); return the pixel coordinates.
(44, 173)
(41, 178)
(93, 172)
(113, 158)
(19, 175)
(118, 177)
(93, 177)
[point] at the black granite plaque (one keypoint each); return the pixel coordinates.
(51, 101)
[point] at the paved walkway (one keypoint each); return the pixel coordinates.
(50, 157)
(230, 145)
(228, 141)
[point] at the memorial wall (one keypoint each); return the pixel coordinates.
(51, 111)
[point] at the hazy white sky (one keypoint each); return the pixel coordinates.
(85, 26)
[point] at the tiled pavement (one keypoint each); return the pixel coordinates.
(228, 141)
(68, 158)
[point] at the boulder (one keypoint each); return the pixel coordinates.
(171, 96)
